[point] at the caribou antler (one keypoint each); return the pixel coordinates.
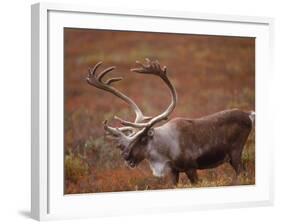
(132, 130)
(96, 80)
(154, 68)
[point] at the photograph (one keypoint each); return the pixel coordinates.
(150, 111)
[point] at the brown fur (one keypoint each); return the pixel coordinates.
(203, 143)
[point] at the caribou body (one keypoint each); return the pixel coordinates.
(181, 144)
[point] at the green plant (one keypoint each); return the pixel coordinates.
(75, 167)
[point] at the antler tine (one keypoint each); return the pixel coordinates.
(131, 124)
(120, 133)
(111, 80)
(104, 72)
(113, 131)
(92, 72)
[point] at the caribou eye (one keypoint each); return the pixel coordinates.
(143, 140)
(150, 133)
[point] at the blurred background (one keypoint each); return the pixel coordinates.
(210, 73)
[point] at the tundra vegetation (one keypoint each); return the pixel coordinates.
(210, 73)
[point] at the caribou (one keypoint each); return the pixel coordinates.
(180, 144)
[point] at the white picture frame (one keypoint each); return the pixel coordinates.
(48, 201)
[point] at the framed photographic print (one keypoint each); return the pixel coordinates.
(166, 109)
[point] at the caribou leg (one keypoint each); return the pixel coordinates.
(171, 177)
(175, 177)
(192, 175)
(236, 163)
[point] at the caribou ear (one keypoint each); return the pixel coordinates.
(150, 132)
